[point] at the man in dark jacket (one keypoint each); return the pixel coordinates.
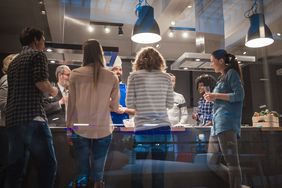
(55, 107)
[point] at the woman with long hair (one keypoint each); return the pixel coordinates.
(228, 96)
(93, 94)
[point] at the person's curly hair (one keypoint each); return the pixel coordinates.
(207, 80)
(149, 59)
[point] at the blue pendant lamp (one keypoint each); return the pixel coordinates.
(146, 30)
(259, 34)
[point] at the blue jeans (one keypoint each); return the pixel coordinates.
(157, 141)
(225, 144)
(3, 154)
(90, 156)
(32, 139)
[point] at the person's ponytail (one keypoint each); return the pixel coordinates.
(229, 60)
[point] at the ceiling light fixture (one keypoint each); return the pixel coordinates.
(171, 34)
(185, 35)
(107, 29)
(90, 28)
(259, 34)
(107, 26)
(146, 30)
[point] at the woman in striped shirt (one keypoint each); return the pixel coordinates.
(150, 93)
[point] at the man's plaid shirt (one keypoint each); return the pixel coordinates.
(25, 100)
(205, 110)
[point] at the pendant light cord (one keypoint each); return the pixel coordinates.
(139, 5)
(252, 10)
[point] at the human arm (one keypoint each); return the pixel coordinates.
(51, 104)
(209, 123)
(183, 110)
(40, 74)
(169, 96)
(130, 95)
(236, 92)
(114, 102)
(215, 96)
(122, 110)
(71, 110)
(3, 94)
(46, 87)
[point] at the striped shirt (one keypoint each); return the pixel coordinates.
(150, 94)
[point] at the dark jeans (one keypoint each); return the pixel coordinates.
(225, 144)
(4, 147)
(157, 142)
(33, 139)
(90, 156)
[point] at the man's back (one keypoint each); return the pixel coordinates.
(24, 101)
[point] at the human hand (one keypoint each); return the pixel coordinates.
(120, 110)
(61, 101)
(65, 98)
(209, 123)
(194, 116)
(54, 91)
(210, 96)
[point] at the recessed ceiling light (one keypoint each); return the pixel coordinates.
(49, 50)
(190, 6)
(90, 28)
(278, 34)
(185, 35)
(170, 34)
(107, 29)
(185, 68)
(52, 61)
(172, 23)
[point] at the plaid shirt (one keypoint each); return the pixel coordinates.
(25, 100)
(204, 111)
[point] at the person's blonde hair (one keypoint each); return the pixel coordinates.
(149, 58)
(93, 55)
(7, 61)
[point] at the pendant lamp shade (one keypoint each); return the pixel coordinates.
(259, 35)
(146, 29)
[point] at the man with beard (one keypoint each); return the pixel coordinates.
(55, 107)
(123, 112)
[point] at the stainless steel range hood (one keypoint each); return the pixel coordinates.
(72, 53)
(201, 62)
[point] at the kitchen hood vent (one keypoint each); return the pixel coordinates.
(201, 62)
(71, 54)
